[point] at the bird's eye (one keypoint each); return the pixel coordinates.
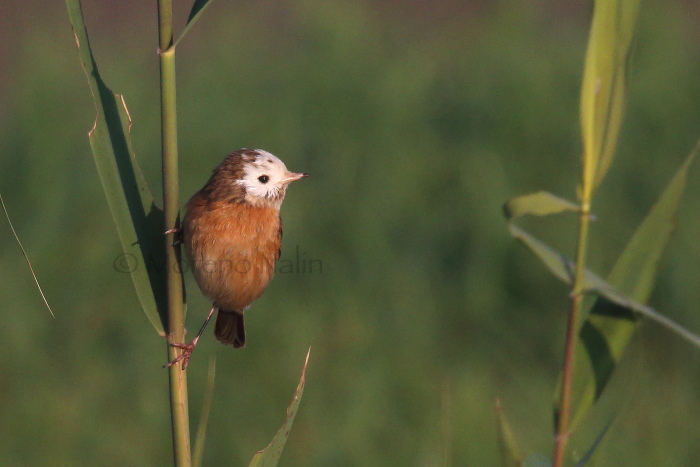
(263, 179)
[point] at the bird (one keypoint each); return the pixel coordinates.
(232, 234)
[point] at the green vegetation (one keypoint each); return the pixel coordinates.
(416, 124)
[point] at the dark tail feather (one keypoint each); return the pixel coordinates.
(230, 329)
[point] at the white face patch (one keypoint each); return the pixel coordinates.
(264, 178)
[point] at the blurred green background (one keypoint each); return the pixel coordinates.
(417, 120)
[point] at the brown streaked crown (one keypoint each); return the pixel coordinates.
(222, 183)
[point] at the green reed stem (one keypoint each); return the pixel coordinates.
(562, 432)
(171, 205)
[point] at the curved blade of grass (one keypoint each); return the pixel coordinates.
(197, 9)
(138, 220)
(609, 328)
(510, 454)
(588, 456)
(541, 203)
(558, 264)
(198, 452)
(603, 87)
(269, 456)
(562, 267)
(26, 258)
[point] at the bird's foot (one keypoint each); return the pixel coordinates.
(184, 357)
(187, 349)
(177, 238)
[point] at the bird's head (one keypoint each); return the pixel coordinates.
(253, 176)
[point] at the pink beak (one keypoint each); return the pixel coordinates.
(293, 177)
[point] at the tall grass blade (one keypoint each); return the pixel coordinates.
(198, 452)
(510, 454)
(558, 264)
(138, 220)
(197, 9)
(26, 258)
(588, 456)
(622, 305)
(603, 87)
(269, 456)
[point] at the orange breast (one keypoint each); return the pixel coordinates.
(232, 249)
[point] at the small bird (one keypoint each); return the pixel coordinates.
(232, 233)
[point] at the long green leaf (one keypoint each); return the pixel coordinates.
(609, 328)
(510, 453)
(198, 451)
(603, 88)
(26, 258)
(558, 264)
(614, 302)
(541, 203)
(197, 9)
(269, 456)
(588, 456)
(138, 220)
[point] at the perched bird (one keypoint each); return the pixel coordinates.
(232, 233)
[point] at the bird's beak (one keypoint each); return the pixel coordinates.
(293, 177)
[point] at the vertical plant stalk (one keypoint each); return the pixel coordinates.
(602, 107)
(171, 205)
(562, 434)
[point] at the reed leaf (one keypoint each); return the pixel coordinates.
(613, 301)
(137, 218)
(269, 456)
(198, 451)
(197, 9)
(541, 203)
(510, 453)
(588, 455)
(603, 87)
